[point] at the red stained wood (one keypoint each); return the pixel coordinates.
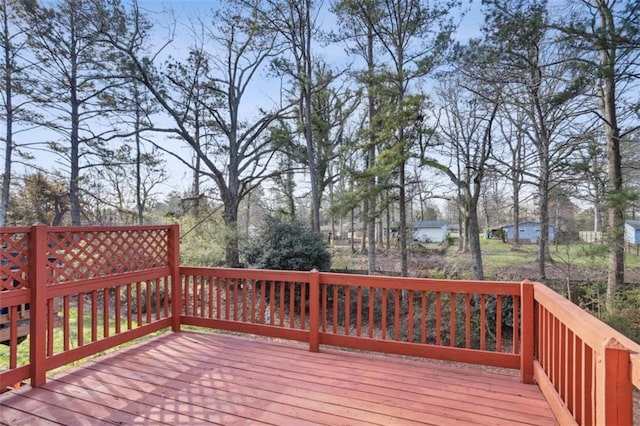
(452, 319)
(359, 314)
(196, 378)
(438, 319)
(578, 383)
(347, 310)
(527, 323)
(410, 327)
(516, 314)
(590, 382)
(383, 320)
(467, 320)
(483, 322)
(396, 316)
(94, 312)
(303, 311)
(499, 323)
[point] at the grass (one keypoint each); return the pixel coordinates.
(497, 253)
(58, 339)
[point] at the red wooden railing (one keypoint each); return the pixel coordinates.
(83, 290)
(443, 319)
(586, 369)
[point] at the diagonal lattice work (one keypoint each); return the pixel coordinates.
(78, 255)
(14, 259)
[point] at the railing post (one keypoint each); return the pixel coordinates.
(38, 304)
(614, 391)
(176, 279)
(527, 336)
(314, 311)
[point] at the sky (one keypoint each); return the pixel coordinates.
(163, 12)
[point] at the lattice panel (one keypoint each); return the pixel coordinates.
(14, 262)
(89, 254)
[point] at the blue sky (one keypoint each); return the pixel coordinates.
(163, 13)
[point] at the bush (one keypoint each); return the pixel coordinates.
(287, 245)
(624, 315)
(202, 242)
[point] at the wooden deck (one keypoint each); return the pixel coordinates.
(194, 378)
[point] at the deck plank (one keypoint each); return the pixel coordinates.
(190, 377)
(430, 400)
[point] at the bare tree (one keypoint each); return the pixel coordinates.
(294, 22)
(513, 156)
(239, 154)
(543, 86)
(465, 131)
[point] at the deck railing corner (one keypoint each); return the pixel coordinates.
(38, 278)
(614, 393)
(176, 278)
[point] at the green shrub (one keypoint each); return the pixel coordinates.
(287, 245)
(202, 242)
(624, 315)
(450, 241)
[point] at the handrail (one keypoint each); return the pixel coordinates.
(586, 369)
(592, 330)
(635, 369)
(444, 319)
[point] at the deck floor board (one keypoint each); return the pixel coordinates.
(196, 378)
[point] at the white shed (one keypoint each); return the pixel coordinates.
(430, 231)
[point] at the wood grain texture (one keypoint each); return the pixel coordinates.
(191, 378)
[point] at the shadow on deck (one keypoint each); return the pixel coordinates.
(190, 378)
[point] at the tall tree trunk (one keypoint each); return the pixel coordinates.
(516, 208)
(617, 199)
(364, 227)
(460, 233)
(8, 93)
(388, 234)
(380, 232)
(247, 224)
(232, 252)
(308, 128)
(352, 229)
(402, 228)
(74, 183)
(543, 195)
(474, 240)
(332, 235)
(371, 154)
(138, 118)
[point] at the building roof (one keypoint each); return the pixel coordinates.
(430, 224)
(635, 224)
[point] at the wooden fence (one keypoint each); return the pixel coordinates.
(83, 289)
(442, 319)
(89, 289)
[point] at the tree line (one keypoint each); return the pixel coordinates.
(544, 101)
